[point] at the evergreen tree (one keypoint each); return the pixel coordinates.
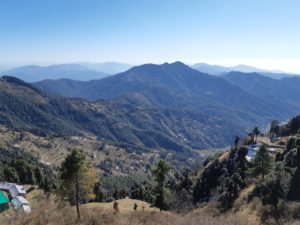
(262, 162)
(77, 180)
(275, 127)
(186, 182)
(291, 144)
(231, 191)
(236, 141)
(256, 132)
(159, 172)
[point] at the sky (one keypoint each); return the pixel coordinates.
(261, 33)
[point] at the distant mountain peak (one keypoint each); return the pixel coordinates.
(15, 80)
(221, 70)
(18, 83)
(178, 63)
(72, 71)
(173, 63)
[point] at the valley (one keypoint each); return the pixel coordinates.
(144, 112)
(200, 125)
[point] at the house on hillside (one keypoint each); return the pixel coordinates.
(21, 204)
(17, 194)
(252, 149)
(17, 190)
(13, 189)
(274, 138)
(4, 203)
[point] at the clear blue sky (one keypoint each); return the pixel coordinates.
(264, 33)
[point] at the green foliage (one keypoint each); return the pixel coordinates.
(181, 190)
(291, 144)
(76, 179)
(236, 141)
(256, 132)
(262, 162)
(186, 182)
(230, 191)
(222, 179)
(142, 192)
(160, 171)
(234, 177)
(275, 127)
(208, 180)
(282, 183)
(72, 166)
(275, 187)
(293, 159)
(19, 167)
(291, 128)
(119, 186)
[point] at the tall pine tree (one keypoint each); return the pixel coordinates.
(160, 171)
(262, 162)
(77, 180)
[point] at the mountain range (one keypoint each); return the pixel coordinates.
(251, 97)
(107, 67)
(283, 92)
(221, 70)
(168, 106)
(178, 87)
(76, 71)
(23, 107)
(85, 71)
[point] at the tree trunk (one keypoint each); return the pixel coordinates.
(77, 199)
(162, 196)
(262, 171)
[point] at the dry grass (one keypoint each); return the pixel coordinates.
(48, 213)
(125, 206)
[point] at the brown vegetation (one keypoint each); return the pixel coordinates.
(49, 214)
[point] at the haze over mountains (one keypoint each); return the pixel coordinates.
(221, 70)
(23, 107)
(85, 71)
(75, 71)
(169, 106)
(107, 67)
(178, 87)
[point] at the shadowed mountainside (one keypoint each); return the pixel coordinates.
(23, 107)
(176, 86)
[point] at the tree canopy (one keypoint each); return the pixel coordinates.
(262, 162)
(160, 171)
(77, 179)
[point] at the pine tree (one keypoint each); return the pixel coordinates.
(262, 162)
(159, 172)
(77, 180)
(236, 141)
(256, 132)
(231, 191)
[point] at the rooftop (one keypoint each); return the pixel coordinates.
(18, 201)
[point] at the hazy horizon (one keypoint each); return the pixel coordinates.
(257, 33)
(228, 65)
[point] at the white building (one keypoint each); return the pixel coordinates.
(17, 193)
(21, 204)
(13, 189)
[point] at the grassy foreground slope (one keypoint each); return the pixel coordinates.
(47, 213)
